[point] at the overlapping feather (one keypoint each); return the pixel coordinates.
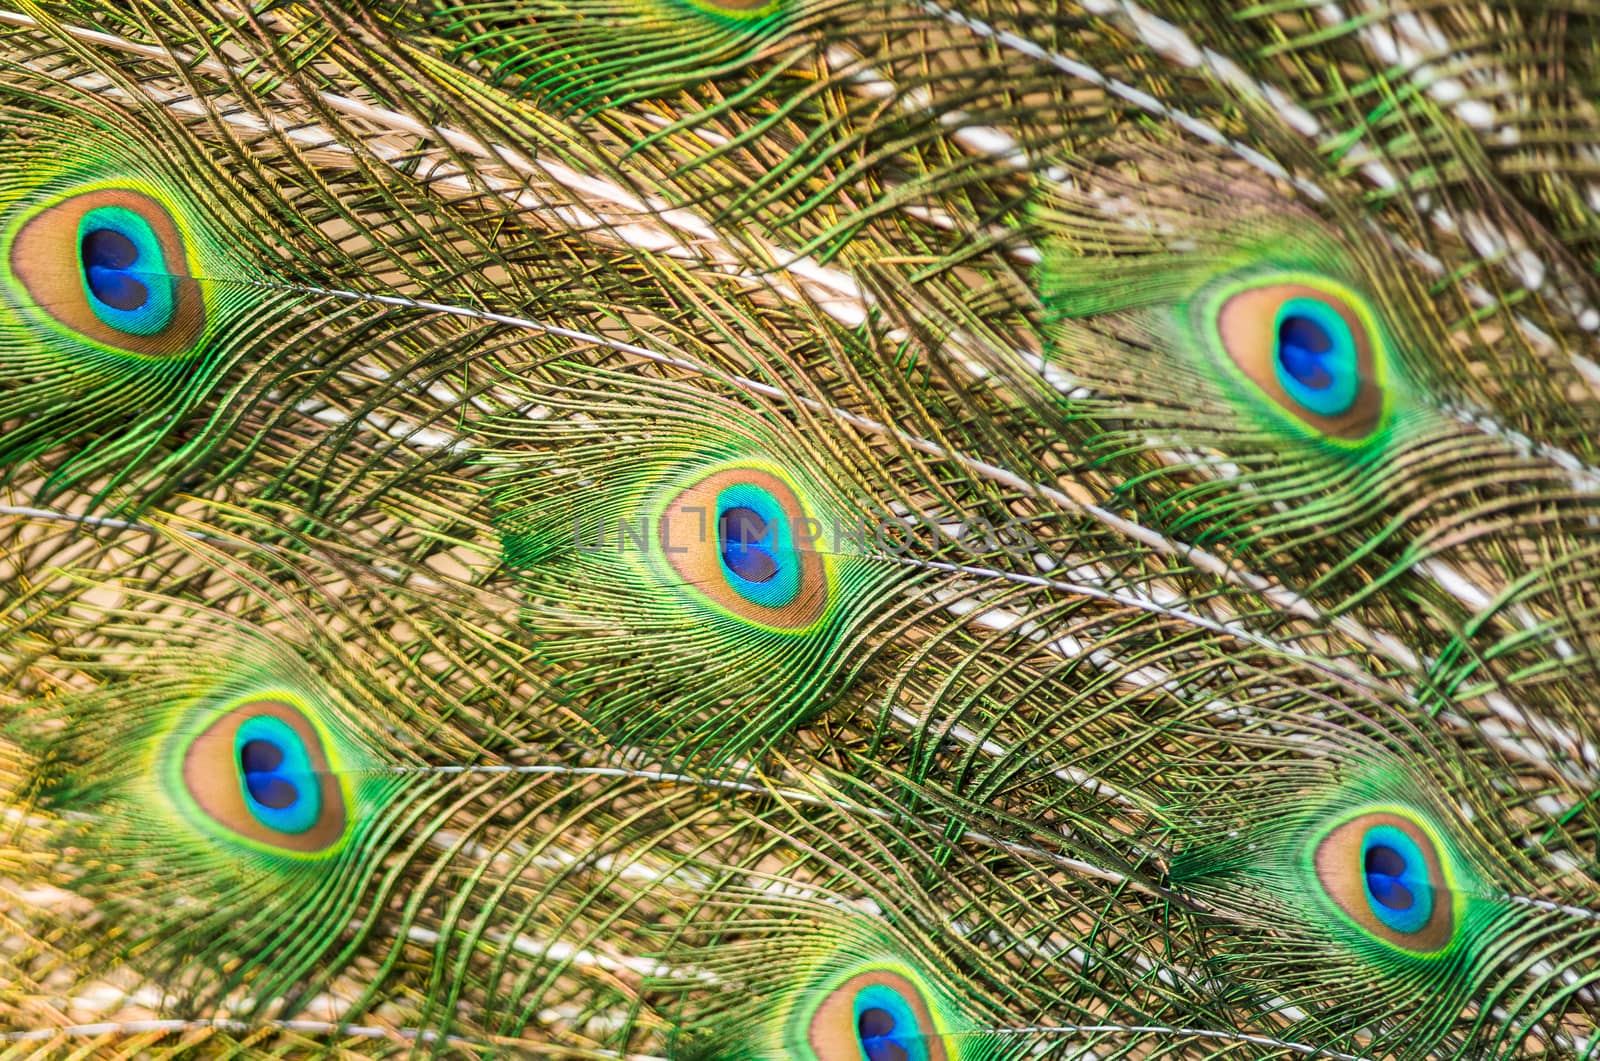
(1097, 649)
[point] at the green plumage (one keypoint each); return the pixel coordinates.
(588, 56)
(722, 565)
(92, 370)
(838, 531)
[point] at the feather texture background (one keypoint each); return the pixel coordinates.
(840, 530)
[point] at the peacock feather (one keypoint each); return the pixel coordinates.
(850, 530)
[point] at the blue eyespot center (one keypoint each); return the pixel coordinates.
(260, 760)
(748, 544)
(756, 545)
(1302, 342)
(280, 786)
(126, 277)
(1399, 891)
(107, 256)
(887, 1026)
(1386, 869)
(877, 1028)
(1317, 362)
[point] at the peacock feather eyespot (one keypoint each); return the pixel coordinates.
(1310, 347)
(261, 773)
(1386, 871)
(878, 1014)
(109, 266)
(741, 538)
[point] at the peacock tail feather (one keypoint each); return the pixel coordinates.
(881, 531)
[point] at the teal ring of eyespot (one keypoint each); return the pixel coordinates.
(280, 786)
(126, 278)
(887, 1026)
(1396, 876)
(1317, 363)
(756, 546)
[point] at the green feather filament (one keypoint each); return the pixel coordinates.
(594, 54)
